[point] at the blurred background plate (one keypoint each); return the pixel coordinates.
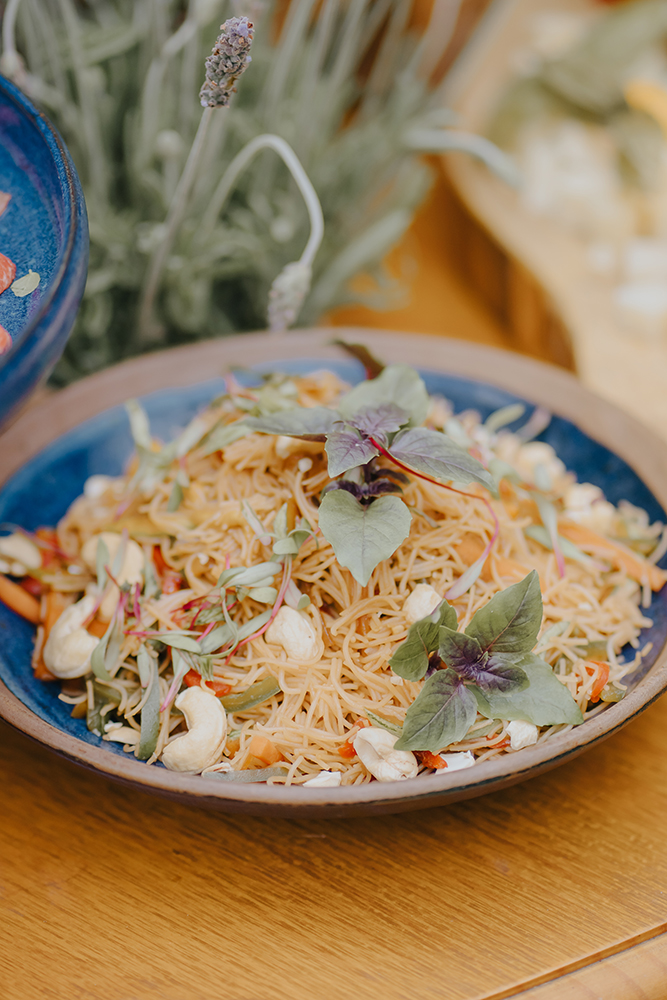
(596, 441)
(44, 229)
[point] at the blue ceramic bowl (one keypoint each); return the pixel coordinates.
(41, 491)
(43, 229)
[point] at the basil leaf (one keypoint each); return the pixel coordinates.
(511, 620)
(442, 713)
(385, 419)
(254, 695)
(309, 422)
(545, 702)
(411, 658)
(363, 536)
(346, 449)
(391, 727)
(464, 654)
(435, 454)
(249, 776)
(397, 384)
(150, 713)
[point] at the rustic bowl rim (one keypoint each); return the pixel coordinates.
(557, 390)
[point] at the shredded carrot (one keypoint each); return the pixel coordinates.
(601, 680)
(19, 600)
(636, 567)
(470, 549)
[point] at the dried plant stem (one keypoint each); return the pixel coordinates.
(291, 161)
(172, 222)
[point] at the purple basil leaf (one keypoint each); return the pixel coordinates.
(372, 366)
(400, 477)
(379, 486)
(544, 702)
(411, 659)
(311, 423)
(441, 714)
(460, 651)
(374, 420)
(500, 675)
(511, 620)
(347, 449)
(345, 484)
(435, 454)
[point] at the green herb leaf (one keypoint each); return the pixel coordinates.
(175, 497)
(396, 384)
(362, 536)
(179, 641)
(218, 638)
(265, 595)
(249, 776)
(254, 624)
(254, 695)
(309, 422)
(139, 426)
(441, 714)
(504, 416)
(436, 455)
(102, 558)
(150, 713)
(510, 622)
(223, 435)
(249, 576)
(376, 720)
(100, 658)
(545, 702)
(346, 449)
(411, 658)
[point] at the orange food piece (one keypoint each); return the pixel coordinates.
(347, 748)
(5, 340)
(429, 759)
(32, 586)
(218, 688)
(171, 582)
(264, 751)
(5, 199)
(97, 628)
(7, 272)
(601, 680)
(636, 567)
(19, 600)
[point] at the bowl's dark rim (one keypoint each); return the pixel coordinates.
(554, 388)
(61, 156)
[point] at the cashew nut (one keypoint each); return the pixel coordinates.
(421, 602)
(19, 554)
(457, 761)
(130, 572)
(375, 749)
(522, 734)
(204, 741)
(325, 779)
(95, 486)
(293, 631)
(68, 649)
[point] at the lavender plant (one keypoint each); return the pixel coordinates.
(199, 250)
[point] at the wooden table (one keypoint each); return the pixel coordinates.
(110, 894)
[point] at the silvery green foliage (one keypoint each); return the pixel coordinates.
(120, 78)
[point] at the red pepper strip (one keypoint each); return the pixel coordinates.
(5, 340)
(601, 679)
(429, 759)
(218, 688)
(7, 272)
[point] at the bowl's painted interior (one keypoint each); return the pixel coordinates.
(43, 228)
(40, 493)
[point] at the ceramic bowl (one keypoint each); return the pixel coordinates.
(53, 449)
(44, 229)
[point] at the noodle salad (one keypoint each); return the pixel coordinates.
(320, 585)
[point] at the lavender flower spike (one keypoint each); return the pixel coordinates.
(227, 62)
